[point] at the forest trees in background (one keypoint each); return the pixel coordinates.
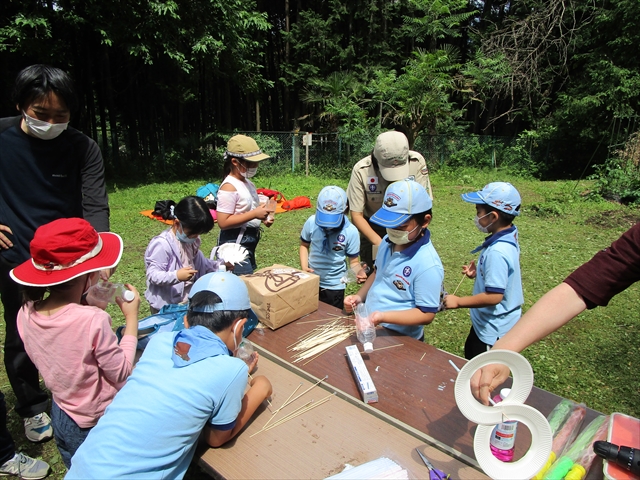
(157, 76)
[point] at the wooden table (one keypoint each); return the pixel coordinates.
(415, 384)
(320, 442)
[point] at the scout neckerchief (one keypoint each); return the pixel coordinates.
(502, 236)
(194, 344)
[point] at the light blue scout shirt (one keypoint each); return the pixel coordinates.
(183, 381)
(408, 279)
(498, 271)
(327, 253)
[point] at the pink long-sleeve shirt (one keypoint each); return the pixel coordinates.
(78, 356)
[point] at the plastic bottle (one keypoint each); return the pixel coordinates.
(103, 293)
(351, 275)
(503, 437)
(245, 351)
(271, 206)
(365, 330)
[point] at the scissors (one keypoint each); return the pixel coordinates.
(434, 473)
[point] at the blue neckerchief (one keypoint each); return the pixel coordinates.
(498, 236)
(411, 250)
(327, 234)
(194, 344)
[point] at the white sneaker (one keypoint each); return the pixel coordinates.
(38, 428)
(24, 466)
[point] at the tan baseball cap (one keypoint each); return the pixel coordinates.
(241, 146)
(392, 153)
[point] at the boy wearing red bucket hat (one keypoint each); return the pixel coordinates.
(72, 344)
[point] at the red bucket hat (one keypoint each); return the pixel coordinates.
(65, 249)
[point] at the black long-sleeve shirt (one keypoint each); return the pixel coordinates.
(43, 180)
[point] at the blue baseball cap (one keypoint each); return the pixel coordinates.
(500, 195)
(332, 202)
(232, 291)
(401, 200)
(229, 287)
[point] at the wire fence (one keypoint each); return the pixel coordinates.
(328, 151)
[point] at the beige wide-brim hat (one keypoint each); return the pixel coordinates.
(241, 146)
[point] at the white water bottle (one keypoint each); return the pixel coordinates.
(103, 293)
(365, 330)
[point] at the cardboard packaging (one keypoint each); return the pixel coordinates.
(361, 375)
(281, 294)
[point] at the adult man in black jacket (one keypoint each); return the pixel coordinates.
(47, 171)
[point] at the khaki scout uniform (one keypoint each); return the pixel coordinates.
(366, 191)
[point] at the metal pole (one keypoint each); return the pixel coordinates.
(293, 153)
(306, 168)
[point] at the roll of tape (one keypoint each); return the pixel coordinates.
(513, 408)
(522, 385)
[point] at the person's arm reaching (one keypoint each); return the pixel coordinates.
(357, 218)
(547, 315)
(304, 256)
(259, 391)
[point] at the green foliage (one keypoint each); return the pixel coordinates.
(617, 180)
(436, 19)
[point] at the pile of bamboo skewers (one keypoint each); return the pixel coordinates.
(313, 344)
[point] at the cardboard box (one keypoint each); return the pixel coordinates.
(361, 375)
(281, 294)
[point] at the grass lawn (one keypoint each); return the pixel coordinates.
(590, 360)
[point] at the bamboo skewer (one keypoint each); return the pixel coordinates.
(304, 409)
(464, 275)
(299, 411)
(315, 384)
(388, 346)
(266, 425)
(276, 412)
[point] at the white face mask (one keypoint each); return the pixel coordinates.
(401, 237)
(184, 238)
(480, 227)
(235, 342)
(248, 172)
(44, 130)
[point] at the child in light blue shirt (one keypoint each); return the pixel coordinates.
(187, 386)
(403, 294)
(327, 238)
(496, 303)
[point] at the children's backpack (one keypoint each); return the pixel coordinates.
(210, 194)
(162, 209)
(170, 318)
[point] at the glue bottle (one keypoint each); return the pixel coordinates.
(365, 330)
(503, 437)
(102, 293)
